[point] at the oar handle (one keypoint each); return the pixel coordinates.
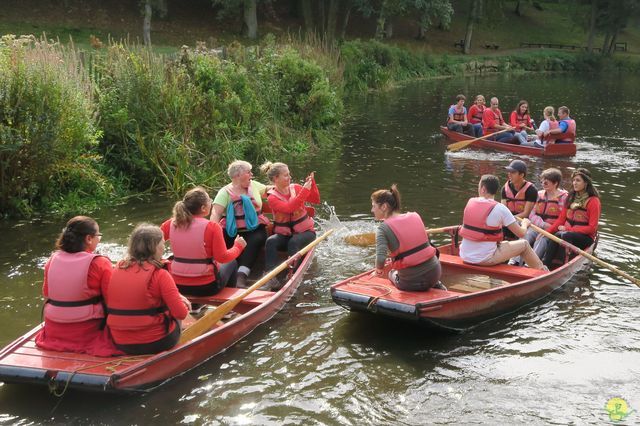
(211, 318)
(584, 253)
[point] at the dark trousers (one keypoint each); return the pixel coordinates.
(461, 128)
(506, 137)
(255, 242)
(579, 240)
(167, 342)
(291, 245)
(477, 130)
(224, 275)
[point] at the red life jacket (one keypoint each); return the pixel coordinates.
(130, 306)
(549, 210)
(477, 116)
(414, 248)
(516, 203)
(523, 119)
(69, 297)
(474, 221)
(570, 134)
(458, 115)
(189, 255)
(497, 115)
(290, 223)
(241, 225)
(579, 216)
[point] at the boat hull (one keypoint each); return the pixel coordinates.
(23, 362)
(553, 150)
(455, 309)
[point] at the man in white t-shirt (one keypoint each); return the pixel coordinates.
(481, 231)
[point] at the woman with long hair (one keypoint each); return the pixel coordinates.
(143, 302)
(402, 236)
(201, 265)
(75, 280)
(578, 221)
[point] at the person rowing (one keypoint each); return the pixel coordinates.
(482, 236)
(493, 122)
(201, 265)
(518, 194)
(415, 265)
(578, 221)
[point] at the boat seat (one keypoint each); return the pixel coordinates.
(501, 269)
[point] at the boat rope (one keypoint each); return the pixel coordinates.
(386, 291)
(110, 365)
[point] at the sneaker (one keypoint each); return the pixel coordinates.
(513, 262)
(242, 281)
(440, 286)
(272, 285)
(197, 308)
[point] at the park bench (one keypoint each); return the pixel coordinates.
(620, 47)
(459, 44)
(491, 46)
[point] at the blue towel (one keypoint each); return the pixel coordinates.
(250, 216)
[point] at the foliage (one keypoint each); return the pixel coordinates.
(48, 136)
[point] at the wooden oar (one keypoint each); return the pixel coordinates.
(369, 238)
(585, 254)
(463, 144)
(211, 318)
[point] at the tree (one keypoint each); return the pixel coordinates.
(431, 11)
(148, 6)
(475, 15)
(249, 13)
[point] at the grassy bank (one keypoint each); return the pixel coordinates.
(79, 129)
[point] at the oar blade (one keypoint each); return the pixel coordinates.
(362, 240)
(460, 145)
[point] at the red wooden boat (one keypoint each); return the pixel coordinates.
(23, 362)
(553, 150)
(474, 293)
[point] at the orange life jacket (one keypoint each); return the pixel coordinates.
(523, 119)
(579, 216)
(189, 254)
(241, 225)
(414, 248)
(69, 297)
(290, 223)
(477, 116)
(516, 203)
(570, 134)
(129, 304)
(474, 221)
(549, 210)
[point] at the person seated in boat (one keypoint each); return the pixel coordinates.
(238, 209)
(518, 194)
(566, 130)
(549, 204)
(415, 265)
(75, 282)
(201, 265)
(293, 227)
(547, 124)
(457, 117)
(521, 121)
(578, 221)
(474, 116)
(493, 122)
(482, 224)
(143, 303)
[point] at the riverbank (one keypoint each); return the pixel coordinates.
(84, 128)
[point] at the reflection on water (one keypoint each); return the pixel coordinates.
(557, 361)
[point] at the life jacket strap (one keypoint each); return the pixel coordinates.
(75, 303)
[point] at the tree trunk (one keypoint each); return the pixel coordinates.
(323, 18)
(388, 29)
(332, 20)
(251, 18)
(307, 14)
(380, 25)
(473, 16)
(518, 5)
(592, 25)
(146, 23)
(605, 44)
(345, 20)
(613, 42)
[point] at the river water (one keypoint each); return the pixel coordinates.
(557, 361)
